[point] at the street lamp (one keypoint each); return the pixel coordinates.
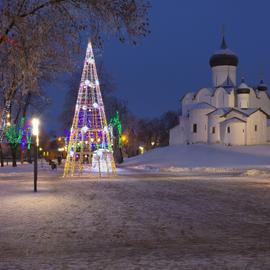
(35, 132)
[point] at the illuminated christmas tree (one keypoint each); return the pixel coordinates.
(89, 148)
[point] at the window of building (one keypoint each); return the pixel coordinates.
(213, 130)
(194, 128)
(228, 129)
(256, 128)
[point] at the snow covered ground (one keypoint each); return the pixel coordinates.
(135, 221)
(201, 157)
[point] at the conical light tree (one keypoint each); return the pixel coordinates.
(89, 148)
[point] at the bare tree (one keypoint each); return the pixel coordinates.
(38, 39)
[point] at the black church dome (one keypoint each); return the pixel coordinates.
(262, 86)
(243, 88)
(224, 56)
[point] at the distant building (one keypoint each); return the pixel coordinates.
(226, 113)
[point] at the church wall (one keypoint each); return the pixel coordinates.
(257, 128)
(200, 119)
(268, 133)
(187, 102)
(214, 128)
(176, 136)
(243, 101)
(220, 98)
(231, 99)
(220, 73)
(179, 134)
(254, 101)
(204, 95)
(264, 102)
(237, 133)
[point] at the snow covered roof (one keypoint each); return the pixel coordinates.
(227, 89)
(188, 93)
(228, 83)
(202, 105)
(243, 88)
(233, 120)
(210, 90)
(243, 85)
(220, 111)
(248, 111)
(245, 112)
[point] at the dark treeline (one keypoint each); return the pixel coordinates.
(147, 133)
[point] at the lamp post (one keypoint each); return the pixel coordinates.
(35, 131)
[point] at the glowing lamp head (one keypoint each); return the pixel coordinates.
(95, 105)
(35, 125)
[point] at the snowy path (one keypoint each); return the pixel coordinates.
(137, 221)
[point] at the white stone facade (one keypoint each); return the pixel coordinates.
(226, 114)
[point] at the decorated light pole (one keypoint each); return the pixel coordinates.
(35, 132)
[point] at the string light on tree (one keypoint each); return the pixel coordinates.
(89, 148)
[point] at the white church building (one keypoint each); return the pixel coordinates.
(227, 113)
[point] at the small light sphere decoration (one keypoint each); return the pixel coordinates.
(95, 105)
(87, 82)
(84, 129)
(91, 60)
(92, 85)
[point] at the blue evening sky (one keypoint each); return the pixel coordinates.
(173, 59)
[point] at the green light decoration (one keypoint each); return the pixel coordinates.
(28, 136)
(14, 134)
(115, 122)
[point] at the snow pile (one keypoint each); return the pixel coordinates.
(255, 172)
(198, 157)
